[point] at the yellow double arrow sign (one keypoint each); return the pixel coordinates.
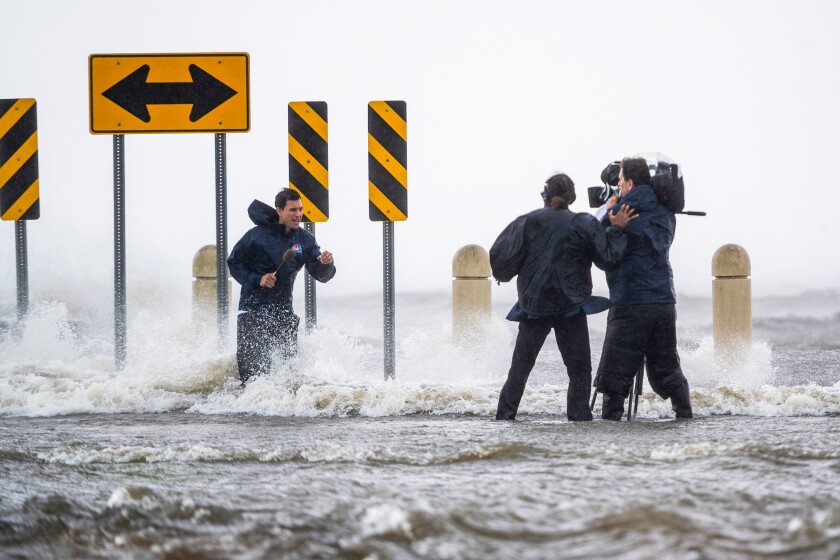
(137, 93)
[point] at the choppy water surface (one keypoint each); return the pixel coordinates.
(324, 459)
(187, 486)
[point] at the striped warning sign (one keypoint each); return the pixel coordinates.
(387, 161)
(18, 160)
(308, 169)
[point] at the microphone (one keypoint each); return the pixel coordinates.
(288, 256)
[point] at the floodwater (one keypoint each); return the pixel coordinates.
(325, 459)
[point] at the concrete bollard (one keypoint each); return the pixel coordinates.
(470, 293)
(731, 302)
(204, 301)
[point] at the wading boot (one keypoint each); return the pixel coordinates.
(613, 407)
(681, 401)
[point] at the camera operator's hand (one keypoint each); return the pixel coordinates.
(611, 201)
(623, 217)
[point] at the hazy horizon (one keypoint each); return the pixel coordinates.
(498, 98)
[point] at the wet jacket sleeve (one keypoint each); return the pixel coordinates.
(508, 251)
(605, 246)
(318, 271)
(238, 263)
(661, 230)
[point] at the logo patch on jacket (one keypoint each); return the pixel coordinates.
(298, 249)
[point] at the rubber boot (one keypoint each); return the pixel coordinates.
(681, 401)
(613, 407)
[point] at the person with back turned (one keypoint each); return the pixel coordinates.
(642, 322)
(266, 262)
(552, 250)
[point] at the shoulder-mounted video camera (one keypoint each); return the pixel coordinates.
(666, 180)
(609, 176)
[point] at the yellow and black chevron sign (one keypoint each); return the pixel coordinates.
(18, 160)
(387, 161)
(308, 150)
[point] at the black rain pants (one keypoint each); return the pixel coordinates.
(635, 332)
(572, 335)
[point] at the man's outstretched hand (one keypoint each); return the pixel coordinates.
(325, 258)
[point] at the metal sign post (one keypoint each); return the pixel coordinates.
(22, 270)
(388, 199)
(222, 304)
(119, 252)
(388, 304)
(163, 93)
(309, 290)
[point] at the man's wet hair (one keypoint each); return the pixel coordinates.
(285, 196)
(636, 170)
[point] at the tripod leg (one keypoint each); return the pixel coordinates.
(635, 392)
(640, 378)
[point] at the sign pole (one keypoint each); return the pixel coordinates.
(19, 182)
(309, 175)
(121, 94)
(22, 269)
(222, 304)
(388, 296)
(119, 252)
(388, 198)
(309, 290)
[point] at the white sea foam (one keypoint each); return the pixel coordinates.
(142, 498)
(309, 452)
(55, 367)
(126, 500)
(681, 452)
(140, 454)
(385, 519)
(705, 368)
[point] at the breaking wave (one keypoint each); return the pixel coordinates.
(314, 452)
(58, 367)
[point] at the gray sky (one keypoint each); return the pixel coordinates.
(499, 96)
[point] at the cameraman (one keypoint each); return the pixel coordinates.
(552, 250)
(642, 322)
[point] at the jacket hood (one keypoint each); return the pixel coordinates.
(263, 215)
(642, 198)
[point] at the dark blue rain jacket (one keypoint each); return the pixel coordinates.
(552, 251)
(260, 251)
(645, 274)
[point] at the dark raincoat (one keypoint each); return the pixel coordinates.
(260, 251)
(552, 251)
(645, 275)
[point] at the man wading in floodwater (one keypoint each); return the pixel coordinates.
(552, 251)
(642, 323)
(266, 268)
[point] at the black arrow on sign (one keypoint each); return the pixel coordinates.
(134, 93)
